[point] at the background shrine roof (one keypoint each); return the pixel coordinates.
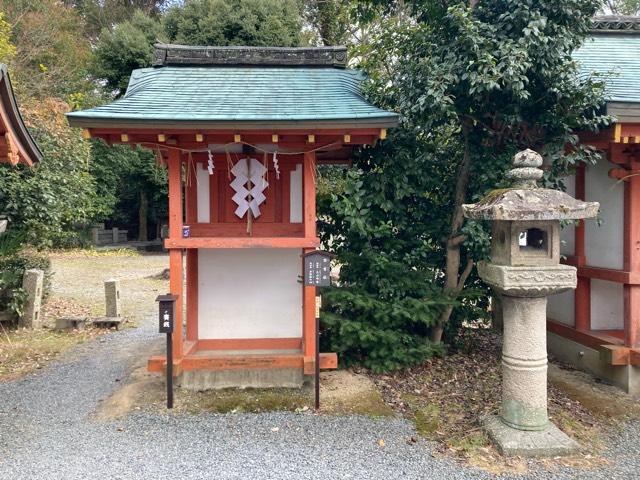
(18, 145)
(613, 51)
(234, 87)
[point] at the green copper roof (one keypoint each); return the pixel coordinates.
(617, 57)
(236, 96)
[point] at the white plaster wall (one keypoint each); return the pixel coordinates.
(604, 243)
(607, 305)
(202, 188)
(295, 195)
(561, 308)
(568, 232)
(249, 293)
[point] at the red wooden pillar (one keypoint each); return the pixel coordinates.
(191, 216)
(632, 256)
(175, 254)
(309, 293)
(192, 294)
(582, 307)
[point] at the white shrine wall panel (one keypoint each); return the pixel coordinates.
(568, 232)
(604, 242)
(561, 308)
(607, 305)
(202, 188)
(249, 293)
(295, 193)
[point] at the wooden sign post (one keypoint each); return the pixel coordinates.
(166, 315)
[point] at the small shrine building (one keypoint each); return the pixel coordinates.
(597, 327)
(242, 130)
(16, 144)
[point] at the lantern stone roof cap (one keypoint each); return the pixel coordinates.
(525, 201)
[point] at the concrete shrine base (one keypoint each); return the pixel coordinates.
(260, 378)
(587, 359)
(551, 442)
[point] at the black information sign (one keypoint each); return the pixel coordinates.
(167, 310)
(317, 269)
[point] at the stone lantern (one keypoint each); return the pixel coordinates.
(524, 269)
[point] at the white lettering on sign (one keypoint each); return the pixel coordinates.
(318, 271)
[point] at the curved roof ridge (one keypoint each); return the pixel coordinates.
(181, 55)
(26, 149)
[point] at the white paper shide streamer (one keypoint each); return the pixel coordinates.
(249, 184)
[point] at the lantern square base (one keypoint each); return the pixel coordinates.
(551, 442)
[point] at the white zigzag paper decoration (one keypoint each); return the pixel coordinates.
(245, 171)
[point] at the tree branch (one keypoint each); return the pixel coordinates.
(456, 241)
(465, 274)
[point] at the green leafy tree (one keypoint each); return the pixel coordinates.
(7, 49)
(132, 184)
(275, 23)
(127, 47)
(51, 58)
(52, 201)
(101, 14)
(474, 85)
(331, 20)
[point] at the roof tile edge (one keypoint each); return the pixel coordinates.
(616, 24)
(183, 55)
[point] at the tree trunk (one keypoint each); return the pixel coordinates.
(143, 210)
(454, 281)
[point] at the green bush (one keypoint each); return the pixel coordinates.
(12, 268)
(382, 334)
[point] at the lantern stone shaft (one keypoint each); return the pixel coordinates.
(524, 269)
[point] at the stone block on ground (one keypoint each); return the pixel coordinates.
(112, 298)
(32, 284)
(551, 442)
(108, 322)
(71, 323)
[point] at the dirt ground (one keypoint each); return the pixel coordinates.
(78, 290)
(79, 277)
(342, 392)
(447, 398)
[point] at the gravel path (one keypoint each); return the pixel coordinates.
(47, 432)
